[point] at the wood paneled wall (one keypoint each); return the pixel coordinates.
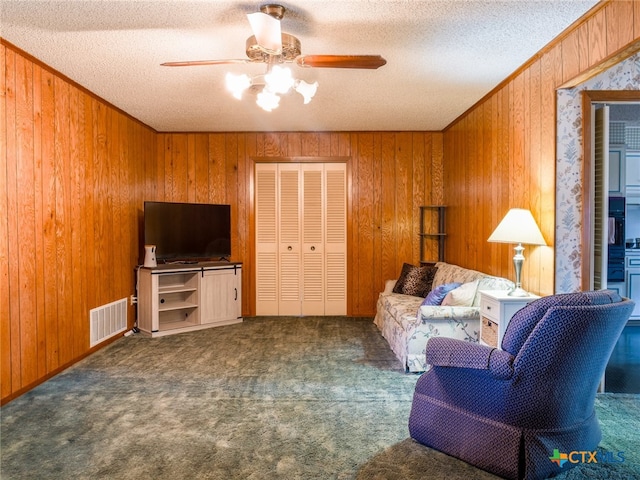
(501, 153)
(78, 171)
(390, 174)
(72, 181)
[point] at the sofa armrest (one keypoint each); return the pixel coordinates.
(388, 286)
(450, 352)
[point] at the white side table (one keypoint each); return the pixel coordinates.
(496, 310)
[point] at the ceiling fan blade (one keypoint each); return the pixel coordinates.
(205, 62)
(267, 32)
(341, 61)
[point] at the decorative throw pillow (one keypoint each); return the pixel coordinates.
(399, 286)
(419, 280)
(436, 295)
(462, 296)
(414, 280)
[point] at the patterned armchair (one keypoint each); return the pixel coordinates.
(508, 411)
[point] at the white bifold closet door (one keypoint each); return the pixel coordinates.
(301, 238)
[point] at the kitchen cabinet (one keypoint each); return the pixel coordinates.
(617, 170)
(619, 287)
(633, 283)
(632, 160)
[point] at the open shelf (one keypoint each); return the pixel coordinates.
(177, 306)
(176, 289)
(432, 231)
(171, 324)
(177, 282)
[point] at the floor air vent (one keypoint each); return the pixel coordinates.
(107, 321)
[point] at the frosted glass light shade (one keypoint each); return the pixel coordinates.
(307, 90)
(279, 79)
(267, 31)
(268, 100)
(518, 226)
(237, 84)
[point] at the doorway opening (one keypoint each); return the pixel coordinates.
(606, 174)
(613, 162)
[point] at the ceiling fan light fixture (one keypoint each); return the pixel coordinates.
(267, 32)
(307, 90)
(237, 84)
(269, 45)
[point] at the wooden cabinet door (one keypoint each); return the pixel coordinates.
(220, 295)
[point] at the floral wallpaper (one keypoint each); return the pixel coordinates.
(623, 76)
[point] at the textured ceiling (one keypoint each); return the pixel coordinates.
(442, 57)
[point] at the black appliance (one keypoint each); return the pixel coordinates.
(188, 231)
(616, 247)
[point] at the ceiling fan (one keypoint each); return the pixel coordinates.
(271, 46)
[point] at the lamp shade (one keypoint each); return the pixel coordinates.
(518, 226)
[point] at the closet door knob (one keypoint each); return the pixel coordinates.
(289, 248)
(313, 249)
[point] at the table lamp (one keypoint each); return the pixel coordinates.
(518, 226)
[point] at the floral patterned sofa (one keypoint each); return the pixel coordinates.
(407, 324)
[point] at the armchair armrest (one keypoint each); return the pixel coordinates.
(450, 352)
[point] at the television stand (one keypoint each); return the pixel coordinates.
(175, 298)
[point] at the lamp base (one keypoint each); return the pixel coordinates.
(518, 260)
(518, 292)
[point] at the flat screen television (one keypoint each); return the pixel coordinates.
(188, 231)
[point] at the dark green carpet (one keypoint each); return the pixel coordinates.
(290, 398)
